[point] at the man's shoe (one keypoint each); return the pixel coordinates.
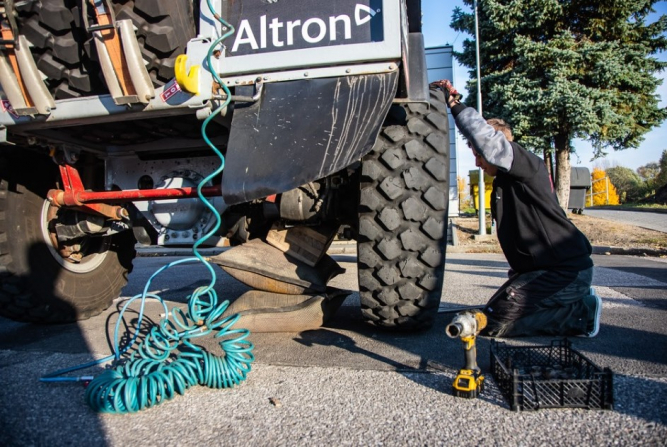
(594, 325)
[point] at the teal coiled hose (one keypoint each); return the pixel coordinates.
(167, 362)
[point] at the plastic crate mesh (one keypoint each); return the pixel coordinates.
(555, 376)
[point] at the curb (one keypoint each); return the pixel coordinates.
(350, 248)
(599, 250)
(154, 251)
(638, 209)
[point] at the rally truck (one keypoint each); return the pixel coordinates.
(328, 122)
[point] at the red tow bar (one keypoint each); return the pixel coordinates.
(98, 202)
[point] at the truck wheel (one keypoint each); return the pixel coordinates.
(65, 53)
(36, 283)
(402, 217)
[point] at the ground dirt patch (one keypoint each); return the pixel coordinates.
(600, 232)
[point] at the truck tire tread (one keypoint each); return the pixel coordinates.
(403, 211)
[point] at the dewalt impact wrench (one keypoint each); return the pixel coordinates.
(466, 325)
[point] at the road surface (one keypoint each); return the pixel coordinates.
(347, 384)
(644, 219)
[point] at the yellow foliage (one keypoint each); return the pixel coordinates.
(604, 192)
(464, 194)
(461, 181)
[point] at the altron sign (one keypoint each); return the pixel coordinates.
(298, 24)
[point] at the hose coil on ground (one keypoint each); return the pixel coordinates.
(167, 362)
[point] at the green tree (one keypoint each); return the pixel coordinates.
(661, 179)
(564, 69)
(649, 172)
(628, 184)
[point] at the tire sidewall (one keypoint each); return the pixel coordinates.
(38, 284)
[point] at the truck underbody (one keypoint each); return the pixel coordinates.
(321, 122)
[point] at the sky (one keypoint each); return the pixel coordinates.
(437, 15)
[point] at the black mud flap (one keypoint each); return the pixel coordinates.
(301, 131)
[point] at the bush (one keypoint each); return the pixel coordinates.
(604, 192)
(628, 184)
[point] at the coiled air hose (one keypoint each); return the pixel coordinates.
(167, 361)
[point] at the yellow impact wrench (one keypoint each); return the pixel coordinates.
(466, 325)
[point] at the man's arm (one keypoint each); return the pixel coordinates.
(487, 141)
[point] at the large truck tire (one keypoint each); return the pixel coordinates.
(403, 208)
(60, 47)
(163, 30)
(36, 284)
(66, 54)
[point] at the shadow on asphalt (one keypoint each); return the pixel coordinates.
(501, 274)
(502, 265)
(61, 403)
(325, 337)
(128, 335)
(658, 274)
(435, 352)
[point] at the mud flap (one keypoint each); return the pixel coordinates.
(301, 131)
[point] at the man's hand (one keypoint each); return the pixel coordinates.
(452, 97)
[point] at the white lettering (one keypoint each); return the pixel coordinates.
(262, 31)
(306, 35)
(244, 29)
(346, 24)
(290, 31)
(275, 33)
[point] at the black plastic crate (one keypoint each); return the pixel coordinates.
(556, 376)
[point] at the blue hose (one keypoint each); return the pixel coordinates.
(167, 361)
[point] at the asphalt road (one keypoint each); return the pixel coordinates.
(645, 219)
(347, 384)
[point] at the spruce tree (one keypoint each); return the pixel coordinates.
(557, 70)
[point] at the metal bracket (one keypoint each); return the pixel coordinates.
(259, 88)
(122, 65)
(101, 7)
(120, 56)
(69, 197)
(21, 80)
(7, 10)
(19, 77)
